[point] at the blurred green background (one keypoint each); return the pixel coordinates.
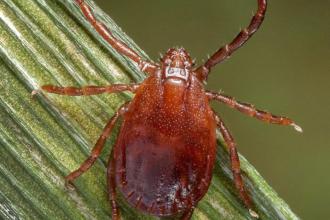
(284, 68)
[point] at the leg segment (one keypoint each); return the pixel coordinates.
(187, 215)
(252, 111)
(241, 38)
(112, 186)
(235, 165)
(118, 45)
(89, 90)
(97, 148)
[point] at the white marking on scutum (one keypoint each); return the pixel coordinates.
(176, 72)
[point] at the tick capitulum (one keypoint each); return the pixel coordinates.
(164, 156)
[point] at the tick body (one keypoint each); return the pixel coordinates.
(166, 146)
(164, 155)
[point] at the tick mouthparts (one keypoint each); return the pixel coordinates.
(253, 213)
(297, 127)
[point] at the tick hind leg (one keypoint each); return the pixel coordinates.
(187, 215)
(97, 148)
(235, 165)
(111, 181)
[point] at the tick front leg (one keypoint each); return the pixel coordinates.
(224, 52)
(97, 148)
(252, 111)
(118, 45)
(235, 165)
(89, 90)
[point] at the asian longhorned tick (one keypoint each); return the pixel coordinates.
(165, 152)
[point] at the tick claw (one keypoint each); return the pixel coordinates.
(253, 213)
(34, 92)
(69, 185)
(297, 127)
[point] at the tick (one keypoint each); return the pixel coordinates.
(164, 155)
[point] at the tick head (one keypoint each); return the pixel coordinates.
(177, 63)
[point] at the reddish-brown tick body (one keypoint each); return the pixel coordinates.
(166, 146)
(163, 159)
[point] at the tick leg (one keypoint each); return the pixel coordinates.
(97, 148)
(241, 38)
(187, 215)
(118, 45)
(111, 172)
(235, 165)
(89, 90)
(252, 111)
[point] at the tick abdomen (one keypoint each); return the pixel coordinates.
(164, 160)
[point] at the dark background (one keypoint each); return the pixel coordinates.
(284, 68)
